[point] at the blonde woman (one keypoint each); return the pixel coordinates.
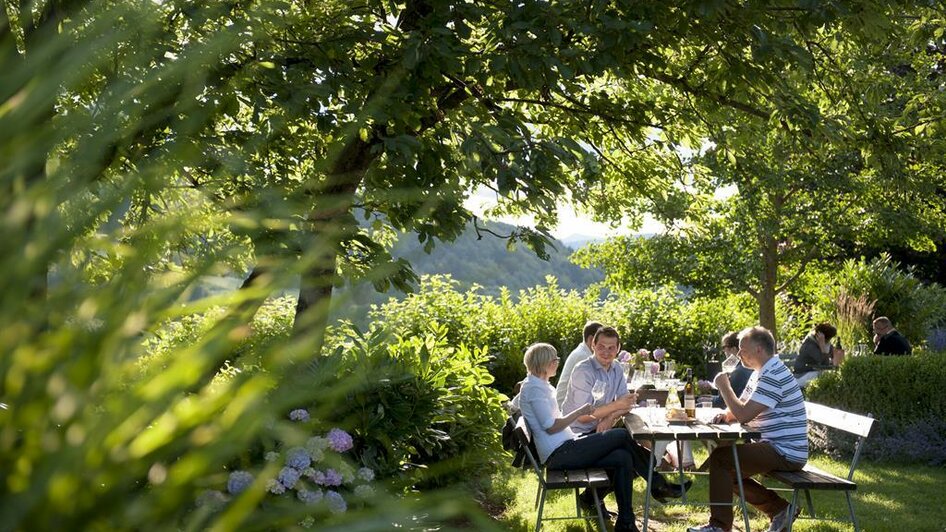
(560, 448)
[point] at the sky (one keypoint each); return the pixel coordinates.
(569, 222)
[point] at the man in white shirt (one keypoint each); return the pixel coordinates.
(580, 353)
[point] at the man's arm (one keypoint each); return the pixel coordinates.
(737, 410)
(579, 392)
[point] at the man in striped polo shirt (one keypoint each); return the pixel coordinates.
(772, 403)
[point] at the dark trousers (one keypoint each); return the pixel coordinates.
(754, 459)
(615, 451)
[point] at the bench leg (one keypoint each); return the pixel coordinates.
(538, 519)
(811, 505)
(850, 506)
(598, 507)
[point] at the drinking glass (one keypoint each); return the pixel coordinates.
(652, 411)
(729, 365)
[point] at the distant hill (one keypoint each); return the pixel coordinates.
(576, 240)
(484, 261)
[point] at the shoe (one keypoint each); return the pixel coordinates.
(782, 519)
(589, 508)
(618, 527)
(705, 528)
(670, 491)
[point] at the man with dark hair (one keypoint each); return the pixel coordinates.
(582, 352)
(739, 376)
(816, 353)
(772, 404)
(614, 402)
(887, 340)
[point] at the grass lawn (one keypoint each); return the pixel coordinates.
(903, 498)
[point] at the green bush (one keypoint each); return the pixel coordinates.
(417, 405)
(502, 326)
(903, 393)
(688, 329)
(913, 306)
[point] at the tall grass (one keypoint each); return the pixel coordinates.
(852, 316)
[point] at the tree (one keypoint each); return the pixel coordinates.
(403, 109)
(849, 169)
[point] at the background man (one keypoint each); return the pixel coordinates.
(772, 403)
(578, 354)
(739, 376)
(889, 341)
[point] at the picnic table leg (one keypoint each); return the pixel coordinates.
(811, 505)
(742, 493)
(792, 507)
(680, 468)
(651, 464)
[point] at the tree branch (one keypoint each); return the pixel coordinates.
(681, 83)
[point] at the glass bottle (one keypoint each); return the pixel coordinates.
(689, 395)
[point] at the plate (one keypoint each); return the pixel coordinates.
(686, 421)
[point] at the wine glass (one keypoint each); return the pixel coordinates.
(729, 365)
(598, 390)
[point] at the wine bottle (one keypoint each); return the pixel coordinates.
(689, 395)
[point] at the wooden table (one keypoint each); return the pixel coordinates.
(641, 429)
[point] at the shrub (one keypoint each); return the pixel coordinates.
(502, 326)
(417, 406)
(689, 330)
(903, 393)
(912, 306)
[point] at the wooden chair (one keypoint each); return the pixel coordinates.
(812, 478)
(558, 479)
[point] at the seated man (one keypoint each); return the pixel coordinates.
(887, 340)
(772, 404)
(739, 376)
(614, 403)
(816, 353)
(582, 352)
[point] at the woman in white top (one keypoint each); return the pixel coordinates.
(560, 448)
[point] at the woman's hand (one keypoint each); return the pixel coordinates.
(822, 343)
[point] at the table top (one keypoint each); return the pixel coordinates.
(641, 429)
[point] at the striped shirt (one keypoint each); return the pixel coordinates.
(784, 423)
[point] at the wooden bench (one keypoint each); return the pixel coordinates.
(557, 479)
(811, 478)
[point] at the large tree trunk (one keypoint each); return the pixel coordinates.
(331, 221)
(769, 281)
